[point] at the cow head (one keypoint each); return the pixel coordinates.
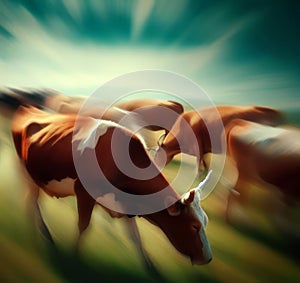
(184, 223)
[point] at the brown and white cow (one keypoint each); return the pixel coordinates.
(44, 144)
(266, 155)
(195, 123)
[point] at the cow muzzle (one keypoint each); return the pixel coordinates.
(200, 261)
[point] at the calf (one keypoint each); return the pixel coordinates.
(44, 144)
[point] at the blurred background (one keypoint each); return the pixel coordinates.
(246, 52)
(239, 52)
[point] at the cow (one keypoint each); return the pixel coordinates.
(44, 143)
(195, 123)
(269, 156)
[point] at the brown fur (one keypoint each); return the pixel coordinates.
(274, 161)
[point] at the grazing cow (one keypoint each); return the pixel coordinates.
(44, 144)
(198, 122)
(266, 155)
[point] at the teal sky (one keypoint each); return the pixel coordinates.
(240, 52)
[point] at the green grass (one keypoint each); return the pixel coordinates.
(248, 251)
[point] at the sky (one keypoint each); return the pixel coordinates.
(239, 52)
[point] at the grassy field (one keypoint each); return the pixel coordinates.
(252, 249)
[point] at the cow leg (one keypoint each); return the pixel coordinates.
(202, 166)
(237, 196)
(203, 162)
(35, 212)
(135, 236)
(284, 214)
(85, 205)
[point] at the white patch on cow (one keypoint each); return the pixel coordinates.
(108, 200)
(202, 217)
(62, 188)
(91, 135)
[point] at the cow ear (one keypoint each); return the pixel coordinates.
(188, 198)
(174, 208)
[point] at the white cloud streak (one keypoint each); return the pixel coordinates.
(36, 58)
